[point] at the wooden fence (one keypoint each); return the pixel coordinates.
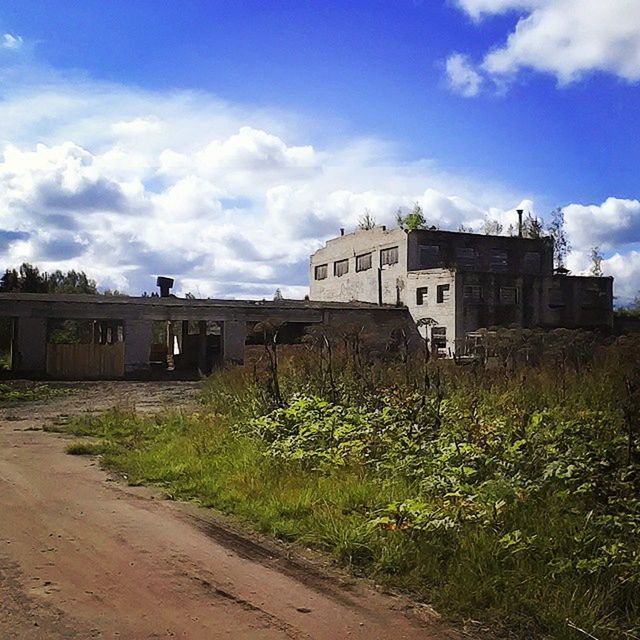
(77, 361)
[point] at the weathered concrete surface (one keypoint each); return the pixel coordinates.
(83, 557)
(137, 344)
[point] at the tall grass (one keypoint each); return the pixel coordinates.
(512, 496)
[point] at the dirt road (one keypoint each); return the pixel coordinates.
(85, 556)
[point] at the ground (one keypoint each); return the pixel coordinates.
(84, 555)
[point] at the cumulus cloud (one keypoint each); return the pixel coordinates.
(462, 76)
(231, 201)
(11, 42)
(614, 223)
(564, 38)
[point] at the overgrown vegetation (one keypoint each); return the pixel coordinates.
(26, 392)
(508, 492)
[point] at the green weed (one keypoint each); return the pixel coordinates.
(511, 496)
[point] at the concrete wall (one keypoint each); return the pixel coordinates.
(362, 286)
(577, 301)
(234, 335)
(450, 242)
(137, 345)
(442, 313)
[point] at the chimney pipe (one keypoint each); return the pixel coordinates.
(165, 285)
(341, 232)
(519, 212)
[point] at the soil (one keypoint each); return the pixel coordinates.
(83, 555)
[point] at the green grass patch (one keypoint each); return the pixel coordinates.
(88, 448)
(29, 392)
(514, 499)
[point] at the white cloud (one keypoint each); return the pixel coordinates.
(564, 38)
(12, 42)
(136, 127)
(614, 223)
(128, 184)
(462, 77)
(625, 268)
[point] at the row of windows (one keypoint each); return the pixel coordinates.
(363, 263)
(430, 256)
(588, 298)
(474, 293)
(471, 293)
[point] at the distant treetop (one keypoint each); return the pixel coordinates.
(29, 279)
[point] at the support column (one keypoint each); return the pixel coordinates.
(137, 345)
(202, 348)
(234, 334)
(30, 346)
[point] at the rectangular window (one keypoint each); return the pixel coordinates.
(498, 261)
(340, 267)
(556, 297)
(532, 262)
(509, 295)
(320, 272)
(439, 339)
(363, 262)
(472, 293)
(389, 256)
(430, 256)
(421, 295)
(466, 258)
(442, 293)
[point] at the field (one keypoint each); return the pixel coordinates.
(507, 492)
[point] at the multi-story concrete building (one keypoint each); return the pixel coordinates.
(462, 282)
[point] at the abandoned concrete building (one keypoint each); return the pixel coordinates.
(95, 336)
(459, 282)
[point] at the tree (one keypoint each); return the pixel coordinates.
(366, 221)
(29, 279)
(412, 221)
(596, 262)
(561, 246)
(492, 227)
(532, 227)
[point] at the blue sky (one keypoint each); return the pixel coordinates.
(288, 118)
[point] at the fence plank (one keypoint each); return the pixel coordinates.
(78, 361)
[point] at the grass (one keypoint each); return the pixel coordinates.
(29, 392)
(517, 508)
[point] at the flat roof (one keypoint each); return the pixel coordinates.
(175, 302)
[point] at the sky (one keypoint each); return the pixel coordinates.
(221, 142)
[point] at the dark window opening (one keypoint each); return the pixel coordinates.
(472, 293)
(340, 268)
(439, 340)
(363, 262)
(499, 261)
(429, 256)
(532, 262)
(442, 293)
(508, 295)
(389, 256)
(320, 272)
(421, 295)
(466, 257)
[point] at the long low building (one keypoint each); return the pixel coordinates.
(97, 336)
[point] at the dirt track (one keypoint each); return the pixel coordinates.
(85, 556)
